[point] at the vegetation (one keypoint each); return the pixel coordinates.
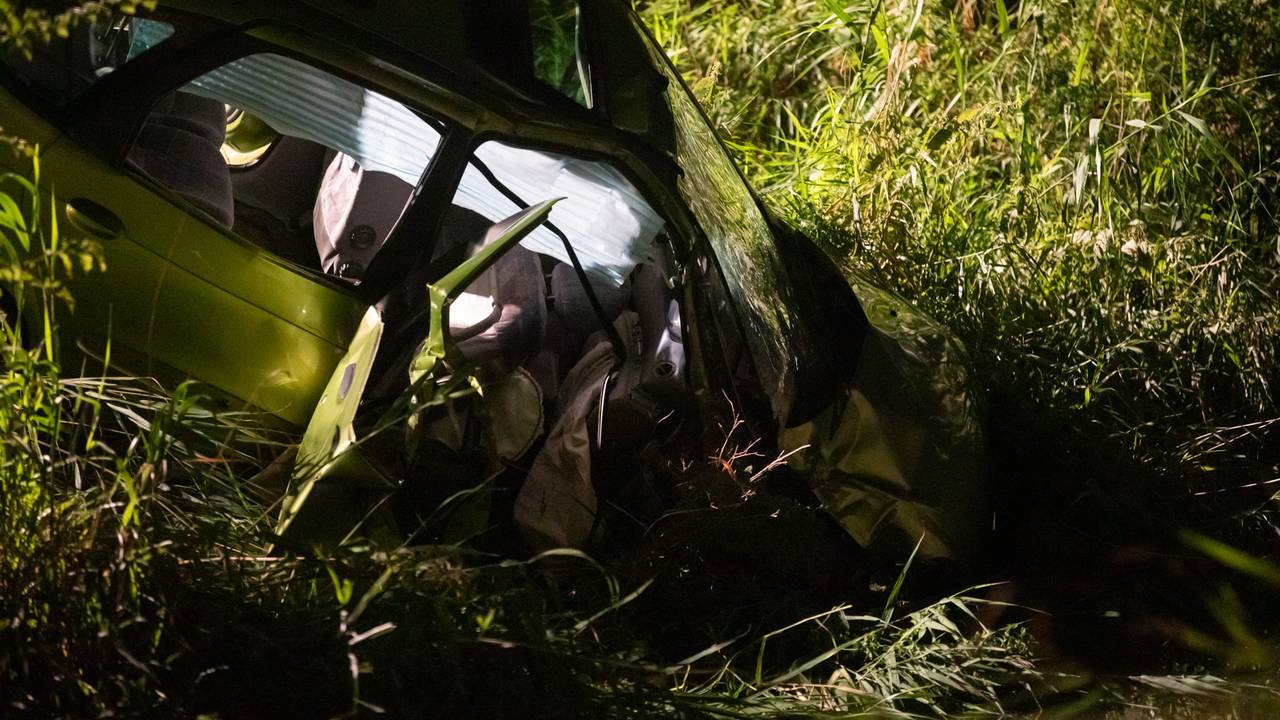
(139, 577)
(1085, 192)
(26, 23)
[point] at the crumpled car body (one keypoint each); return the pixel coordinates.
(349, 217)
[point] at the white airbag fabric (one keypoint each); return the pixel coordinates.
(609, 224)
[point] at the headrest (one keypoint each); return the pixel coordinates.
(573, 307)
(179, 146)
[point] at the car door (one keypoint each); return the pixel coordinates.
(187, 292)
(39, 87)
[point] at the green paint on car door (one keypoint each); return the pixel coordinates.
(181, 298)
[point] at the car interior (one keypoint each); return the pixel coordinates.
(578, 326)
(582, 314)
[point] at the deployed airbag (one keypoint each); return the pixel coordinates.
(610, 225)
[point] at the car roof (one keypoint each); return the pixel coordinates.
(479, 41)
(484, 50)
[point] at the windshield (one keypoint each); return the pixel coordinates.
(739, 236)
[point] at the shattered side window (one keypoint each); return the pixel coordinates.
(557, 60)
(741, 239)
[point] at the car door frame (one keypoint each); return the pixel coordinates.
(106, 119)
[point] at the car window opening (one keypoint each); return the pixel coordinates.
(594, 239)
(62, 69)
(287, 186)
(323, 168)
(589, 292)
(594, 368)
(558, 60)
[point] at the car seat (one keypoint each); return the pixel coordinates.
(276, 197)
(573, 311)
(499, 320)
(179, 147)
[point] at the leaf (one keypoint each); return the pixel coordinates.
(35, 181)
(50, 340)
(53, 221)
(1081, 57)
(584, 624)
(9, 249)
(11, 209)
(882, 43)
(897, 584)
(937, 139)
(343, 588)
(1233, 558)
(912, 28)
(835, 8)
(1196, 123)
(1203, 128)
(1184, 684)
(1078, 179)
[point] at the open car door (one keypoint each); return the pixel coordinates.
(334, 484)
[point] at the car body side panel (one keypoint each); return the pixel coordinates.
(237, 268)
(116, 304)
(331, 477)
(900, 460)
(119, 303)
(21, 122)
(113, 312)
(236, 346)
(197, 302)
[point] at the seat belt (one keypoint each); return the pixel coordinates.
(619, 349)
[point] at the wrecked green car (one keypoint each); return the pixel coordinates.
(498, 238)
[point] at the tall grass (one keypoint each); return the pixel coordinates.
(1084, 191)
